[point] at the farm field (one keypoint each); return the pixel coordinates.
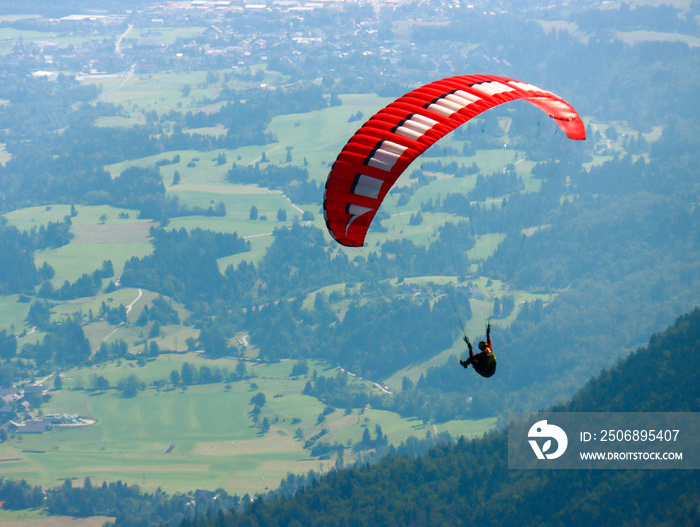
(633, 37)
(10, 35)
(200, 437)
(35, 518)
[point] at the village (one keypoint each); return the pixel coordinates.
(18, 414)
(289, 35)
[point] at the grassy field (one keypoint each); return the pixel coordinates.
(173, 90)
(202, 437)
(13, 314)
(99, 234)
(318, 136)
(634, 37)
(161, 92)
(36, 518)
(9, 37)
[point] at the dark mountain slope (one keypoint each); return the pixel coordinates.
(470, 484)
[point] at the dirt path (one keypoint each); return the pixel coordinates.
(259, 158)
(128, 309)
(376, 384)
(42, 381)
(118, 44)
(287, 198)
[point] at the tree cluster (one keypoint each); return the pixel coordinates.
(65, 345)
(336, 391)
(183, 264)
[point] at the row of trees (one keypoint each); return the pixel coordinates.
(86, 285)
(128, 504)
(187, 375)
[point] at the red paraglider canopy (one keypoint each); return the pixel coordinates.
(379, 152)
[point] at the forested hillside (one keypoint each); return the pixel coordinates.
(470, 483)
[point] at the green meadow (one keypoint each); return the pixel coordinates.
(170, 34)
(13, 313)
(10, 36)
(160, 91)
(99, 233)
(173, 90)
(39, 518)
(634, 37)
(201, 437)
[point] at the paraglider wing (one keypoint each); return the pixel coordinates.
(379, 152)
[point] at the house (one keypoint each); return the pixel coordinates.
(150, 40)
(38, 426)
(6, 412)
(34, 389)
(9, 395)
(212, 33)
(200, 493)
